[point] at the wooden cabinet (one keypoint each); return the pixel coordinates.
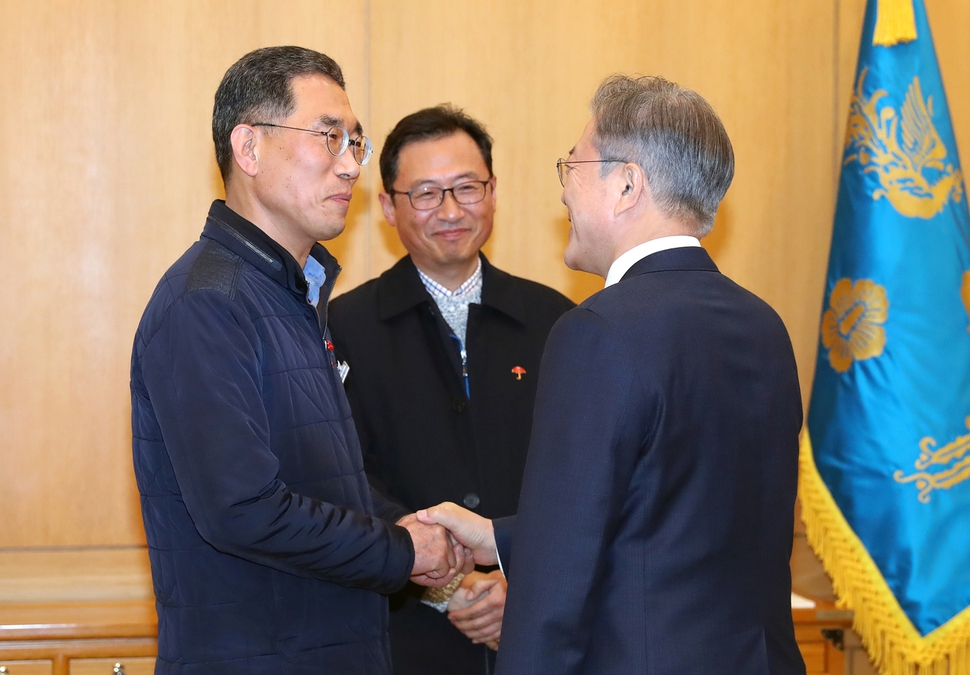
(26, 667)
(78, 639)
(819, 634)
(142, 665)
(119, 638)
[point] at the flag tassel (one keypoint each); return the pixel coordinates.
(894, 645)
(895, 23)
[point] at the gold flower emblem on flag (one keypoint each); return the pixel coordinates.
(852, 326)
(899, 148)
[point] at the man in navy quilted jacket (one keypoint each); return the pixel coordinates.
(267, 549)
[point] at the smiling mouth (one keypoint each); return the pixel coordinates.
(452, 233)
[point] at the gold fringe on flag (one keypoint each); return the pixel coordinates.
(895, 23)
(890, 638)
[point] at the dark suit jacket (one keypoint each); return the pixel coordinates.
(656, 516)
(423, 440)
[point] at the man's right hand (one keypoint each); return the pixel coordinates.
(437, 557)
(470, 529)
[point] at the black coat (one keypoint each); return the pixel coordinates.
(423, 440)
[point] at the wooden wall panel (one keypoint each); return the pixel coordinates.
(106, 177)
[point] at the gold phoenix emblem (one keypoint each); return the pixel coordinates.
(852, 326)
(899, 149)
(954, 456)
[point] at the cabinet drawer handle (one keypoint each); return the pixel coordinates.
(3, 670)
(119, 669)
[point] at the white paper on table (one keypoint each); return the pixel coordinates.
(801, 602)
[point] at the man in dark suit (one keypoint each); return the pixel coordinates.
(656, 516)
(442, 353)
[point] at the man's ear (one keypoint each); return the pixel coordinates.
(243, 140)
(632, 186)
(387, 206)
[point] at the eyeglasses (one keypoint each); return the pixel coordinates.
(560, 163)
(338, 140)
(428, 198)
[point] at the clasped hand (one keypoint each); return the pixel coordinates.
(448, 539)
(438, 557)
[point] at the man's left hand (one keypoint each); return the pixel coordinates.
(478, 606)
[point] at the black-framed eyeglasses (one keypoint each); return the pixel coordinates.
(338, 140)
(560, 163)
(428, 198)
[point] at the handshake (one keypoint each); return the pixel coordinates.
(448, 539)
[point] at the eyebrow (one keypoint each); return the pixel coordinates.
(466, 176)
(331, 121)
(571, 151)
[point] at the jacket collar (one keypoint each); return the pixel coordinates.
(256, 247)
(691, 258)
(400, 288)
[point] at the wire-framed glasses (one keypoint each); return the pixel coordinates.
(427, 198)
(338, 140)
(561, 163)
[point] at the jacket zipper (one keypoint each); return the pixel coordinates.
(464, 365)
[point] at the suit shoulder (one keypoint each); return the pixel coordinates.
(527, 301)
(756, 303)
(540, 293)
(356, 299)
(354, 310)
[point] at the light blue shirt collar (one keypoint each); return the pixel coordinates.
(316, 277)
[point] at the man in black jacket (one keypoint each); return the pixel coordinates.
(443, 351)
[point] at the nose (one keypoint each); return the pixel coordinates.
(346, 166)
(450, 209)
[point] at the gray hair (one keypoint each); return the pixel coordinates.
(675, 136)
(257, 89)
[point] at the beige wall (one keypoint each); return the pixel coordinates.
(107, 170)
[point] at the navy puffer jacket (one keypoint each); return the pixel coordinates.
(266, 553)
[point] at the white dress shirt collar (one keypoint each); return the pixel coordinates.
(627, 260)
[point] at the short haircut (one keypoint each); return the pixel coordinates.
(257, 88)
(675, 136)
(441, 120)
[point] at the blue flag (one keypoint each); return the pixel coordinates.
(885, 483)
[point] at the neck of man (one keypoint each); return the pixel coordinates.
(246, 205)
(647, 229)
